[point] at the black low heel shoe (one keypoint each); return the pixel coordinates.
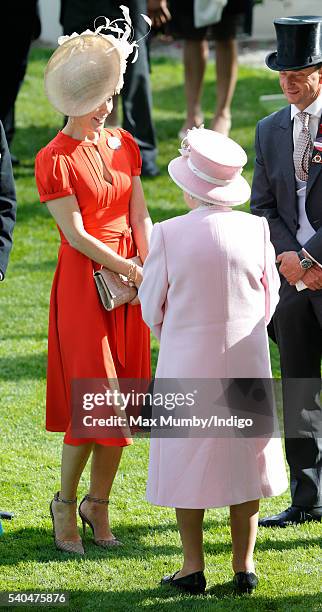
(245, 582)
(195, 583)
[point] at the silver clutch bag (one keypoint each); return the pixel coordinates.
(112, 290)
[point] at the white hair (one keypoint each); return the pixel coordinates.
(203, 203)
(200, 202)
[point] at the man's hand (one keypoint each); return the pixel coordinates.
(290, 266)
(158, 12)
(313, 278)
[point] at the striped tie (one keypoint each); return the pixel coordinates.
(303, 149)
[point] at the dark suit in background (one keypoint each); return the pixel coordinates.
(20, 25)
(7, 203)
(79, 15)
(298, 317)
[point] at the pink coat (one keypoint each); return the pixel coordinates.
(209, 288)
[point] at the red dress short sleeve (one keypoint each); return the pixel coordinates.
(134, 151)
(52, 175)
(85, 341)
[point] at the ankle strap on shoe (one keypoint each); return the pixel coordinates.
(65, 501)
(96, 500)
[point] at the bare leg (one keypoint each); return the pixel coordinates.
(227, 70)
(190, 528)
(105, 462)
(195, 56)
(243, 525)
(74, 459)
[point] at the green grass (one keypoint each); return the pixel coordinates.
(288, 561)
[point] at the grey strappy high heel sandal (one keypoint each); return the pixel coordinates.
(68, 546)
(86, 521)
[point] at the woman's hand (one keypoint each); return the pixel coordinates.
(135, 301)
(139, 276)
(68, 217)
(138, 281)
(158, 12)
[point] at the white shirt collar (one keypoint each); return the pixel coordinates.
(314, 109)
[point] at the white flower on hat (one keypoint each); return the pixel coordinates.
(88, 68)
(185, 146)
(124, 41)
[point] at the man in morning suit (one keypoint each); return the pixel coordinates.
(7, 203)
(287, 190)
(20, 26)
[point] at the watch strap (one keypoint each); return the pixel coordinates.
(301, 255)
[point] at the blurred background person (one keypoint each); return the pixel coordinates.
(8, 206)
(217, 21)
(21, 25)
(8, 203)
(79, 15)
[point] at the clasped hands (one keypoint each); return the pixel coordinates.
(290, 268)
(138, 281)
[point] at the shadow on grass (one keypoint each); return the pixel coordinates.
(29, 366)
(30, 139)
(32, 544)
(246, 106)
(163, 598)
(246, 110)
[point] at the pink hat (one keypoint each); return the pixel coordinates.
(210, 167)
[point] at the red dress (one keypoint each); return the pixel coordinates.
(85, 340)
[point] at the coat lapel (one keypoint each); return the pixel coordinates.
(284, 152)
(284, 149)
(314, 172)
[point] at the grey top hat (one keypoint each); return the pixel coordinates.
(299, 43)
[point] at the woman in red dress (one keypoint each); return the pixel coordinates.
(89, 178)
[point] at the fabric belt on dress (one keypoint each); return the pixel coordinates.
(112, 235)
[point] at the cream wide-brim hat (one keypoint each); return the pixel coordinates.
(82, 73)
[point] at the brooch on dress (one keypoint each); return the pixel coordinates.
(114, 142)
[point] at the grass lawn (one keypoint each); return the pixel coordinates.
(289, 561)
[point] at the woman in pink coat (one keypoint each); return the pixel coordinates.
(210, 287)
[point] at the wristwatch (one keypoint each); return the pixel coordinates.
(305, 262)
